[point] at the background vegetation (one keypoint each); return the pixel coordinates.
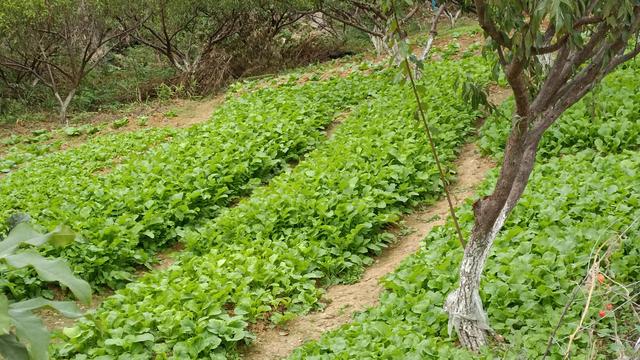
(92, 55)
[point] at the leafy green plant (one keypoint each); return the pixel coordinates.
(50, 174)
(116, 124)
(154, 192)
(452, 49)
(72, 131)
(12, 140)
(22, 153)
(41, 137)
(164, 92)
(607, 120)
(39, 132)
(571, 206)
(318, 224)
(91, 129)
(142, 120)
(170, 113)
(472, 50)
(22, 334)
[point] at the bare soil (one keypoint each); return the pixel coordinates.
(346, 300)
(330, 130)
(497, 94)
(187, 113)
(53, 320)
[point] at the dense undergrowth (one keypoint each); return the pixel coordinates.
(127, 205)
(318, 224)
(583, 193)
(134, 74)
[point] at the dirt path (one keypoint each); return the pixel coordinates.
(344, 300)
(177, 113)
(188, 112)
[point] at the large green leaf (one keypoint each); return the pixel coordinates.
(52, 270)
(11, 348)
(24, 233)
(21, 233)
(30, 329)
(5, 321)
(61, 236)
(66, 308)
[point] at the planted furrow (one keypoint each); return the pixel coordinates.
(583, 194)
(571, 206)
(319, 224)
(141, 204)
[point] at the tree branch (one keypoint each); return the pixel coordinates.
(487, 25)
(352, 24)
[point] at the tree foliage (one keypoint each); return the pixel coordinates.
(182, 31)
(58, 43)
(371, 17)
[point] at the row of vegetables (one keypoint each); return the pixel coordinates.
(267, 258)
(583, 197)
(130, 195)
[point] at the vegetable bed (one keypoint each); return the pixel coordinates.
(126, 205)
(583, 192)
(318, 224)
(571, 206)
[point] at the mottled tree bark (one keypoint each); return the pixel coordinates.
(466, 313)
(570, 71)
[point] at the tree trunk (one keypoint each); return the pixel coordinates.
(432, 33)
(464, 305)
(466, 313)
(64, 105)
(454, 17)
(378, 44)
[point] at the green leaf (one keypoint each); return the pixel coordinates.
(143, 337)
(30, 329)
(5, 321)
(71, 332)
(12, 349)
(23, 232)
(66, 308)
(53, 270)
(61, 236)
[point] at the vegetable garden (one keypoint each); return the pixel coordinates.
(583, 195)
(128, 205)
(198, 238)
(316, 225)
